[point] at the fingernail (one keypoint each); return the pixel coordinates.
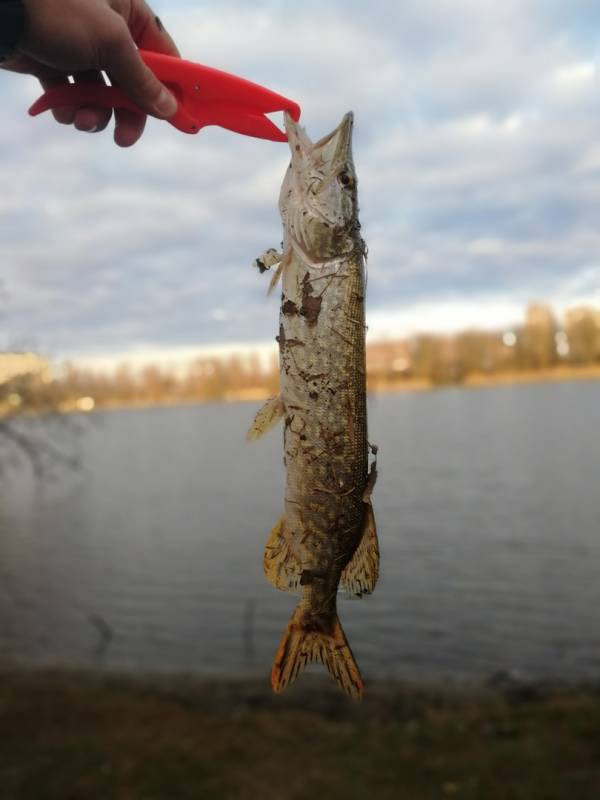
(86, 128)
(166, 105)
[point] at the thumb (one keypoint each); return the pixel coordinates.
(124, 64)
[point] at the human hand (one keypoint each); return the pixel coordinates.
(80, 38)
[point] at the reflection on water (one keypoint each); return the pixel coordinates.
(487, 506)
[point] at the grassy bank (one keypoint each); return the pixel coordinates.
(78, 736)
(560, 374)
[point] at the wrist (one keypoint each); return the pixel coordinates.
(12, 26)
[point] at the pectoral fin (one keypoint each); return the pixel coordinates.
(266, 418)
(360, 574)
(280, 564)
(268, 259)
(285, 260)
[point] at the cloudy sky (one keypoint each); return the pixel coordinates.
(477, 145)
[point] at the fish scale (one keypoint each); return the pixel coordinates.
(325, 437)
(327, 532)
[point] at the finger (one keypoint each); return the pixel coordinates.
(149, 33)
(123, 61)
(129, 126)
(63, 114)
(90, 118)
(48, 78)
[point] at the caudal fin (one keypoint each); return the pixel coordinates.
(302, 644)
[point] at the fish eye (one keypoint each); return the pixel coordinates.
(346, 179)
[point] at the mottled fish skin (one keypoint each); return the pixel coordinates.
(322, 364)
(323, 402)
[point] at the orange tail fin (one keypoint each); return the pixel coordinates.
(300, 645)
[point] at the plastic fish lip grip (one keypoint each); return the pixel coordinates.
(205, 96)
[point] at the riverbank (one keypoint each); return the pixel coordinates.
(481, 380)
(85, 736)
(376, 385)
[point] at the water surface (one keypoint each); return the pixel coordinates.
(488, 509)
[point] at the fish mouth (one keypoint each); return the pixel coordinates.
(340, 138)
(313, 202)
(331, 148)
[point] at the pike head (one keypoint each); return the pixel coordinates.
(318, 201)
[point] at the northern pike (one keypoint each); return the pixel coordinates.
(326, 536)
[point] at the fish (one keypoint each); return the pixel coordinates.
(326, 537)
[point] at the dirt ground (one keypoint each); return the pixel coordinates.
(84, 736)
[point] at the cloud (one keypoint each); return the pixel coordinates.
(575, 76)
(476, 149)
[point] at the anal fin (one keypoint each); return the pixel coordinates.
(280, 564)
(266, 418)
(360, 574)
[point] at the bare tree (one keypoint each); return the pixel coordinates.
(31, 422)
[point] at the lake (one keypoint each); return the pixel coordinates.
(149, 557)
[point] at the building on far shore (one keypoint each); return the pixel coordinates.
(16, 365)
(390, 360)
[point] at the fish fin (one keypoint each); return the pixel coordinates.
(301, 644)
(268, 259)
(285, 260)
(371, 479)
(281, 566)
(266, 418)
(360, 574)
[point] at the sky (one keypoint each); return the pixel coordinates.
(477, 148)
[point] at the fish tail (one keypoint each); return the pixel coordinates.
(304, 641)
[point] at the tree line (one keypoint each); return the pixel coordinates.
(539, 344)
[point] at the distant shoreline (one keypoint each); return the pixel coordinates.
(375, 386)
(482, 380)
